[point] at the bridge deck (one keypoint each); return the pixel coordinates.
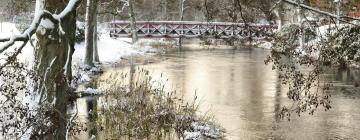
(191, 29)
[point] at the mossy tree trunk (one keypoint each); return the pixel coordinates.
(53, 55)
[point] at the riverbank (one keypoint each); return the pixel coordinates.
(120, 52)
(245, 95)
(170, 45)
(187, 122)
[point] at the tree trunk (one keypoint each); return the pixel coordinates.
(89, 31)
(300, 21)
(53, 58)
(181, 19)
(96, 53)
(280, 15)
(338, 11)
(133, 21)
(164, 9)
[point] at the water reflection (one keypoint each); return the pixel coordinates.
(85, 109)
(244, 94)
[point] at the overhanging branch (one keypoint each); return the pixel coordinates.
(55, 18)
(318, 11)
(26, 35)
(12, 58)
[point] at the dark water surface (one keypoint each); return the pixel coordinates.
(244, 95)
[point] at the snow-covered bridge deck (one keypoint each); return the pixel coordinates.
(190, 29)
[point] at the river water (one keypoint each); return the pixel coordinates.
(244, 95)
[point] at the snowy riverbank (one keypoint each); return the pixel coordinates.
(110, 51)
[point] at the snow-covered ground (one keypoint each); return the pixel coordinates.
(110, 51)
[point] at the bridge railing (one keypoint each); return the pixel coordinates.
(191, 29)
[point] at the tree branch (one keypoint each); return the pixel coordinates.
(275, 5)
(319, 11)
(26, 35)
(12, 58)
(55, 18)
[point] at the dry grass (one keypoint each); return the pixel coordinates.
(141, 109)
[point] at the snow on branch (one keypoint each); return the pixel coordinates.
(319, 11)
(118, 10)
(126, 4)
(25, 36)
(55, 18)
(12, 57)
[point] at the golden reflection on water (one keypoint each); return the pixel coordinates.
(231, 85)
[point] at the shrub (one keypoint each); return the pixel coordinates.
(288, 36)
(142, 109)
(346, 42)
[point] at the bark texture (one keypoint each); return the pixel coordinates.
(182, 9)
(90, 31)
(280, 15)
(133, 21)
(96, 53)
(53, 55)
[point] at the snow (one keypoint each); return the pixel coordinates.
(110, 50)
(46, 23)
(9, 30)
(265, 45)
(199, 130)
(71, 5)
(84, 78)
(91, 91)
(93, 137)
(192, 135)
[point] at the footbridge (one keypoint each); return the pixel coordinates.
(191, 29)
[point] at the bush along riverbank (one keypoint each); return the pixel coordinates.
(136, 107)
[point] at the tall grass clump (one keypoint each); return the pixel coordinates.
(137, 107)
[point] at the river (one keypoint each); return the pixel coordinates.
(245, 95)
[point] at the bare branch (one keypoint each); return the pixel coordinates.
(275, 5)
(55, 18)
(12, 58)
(319, 11)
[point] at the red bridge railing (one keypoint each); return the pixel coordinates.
(190, 29)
